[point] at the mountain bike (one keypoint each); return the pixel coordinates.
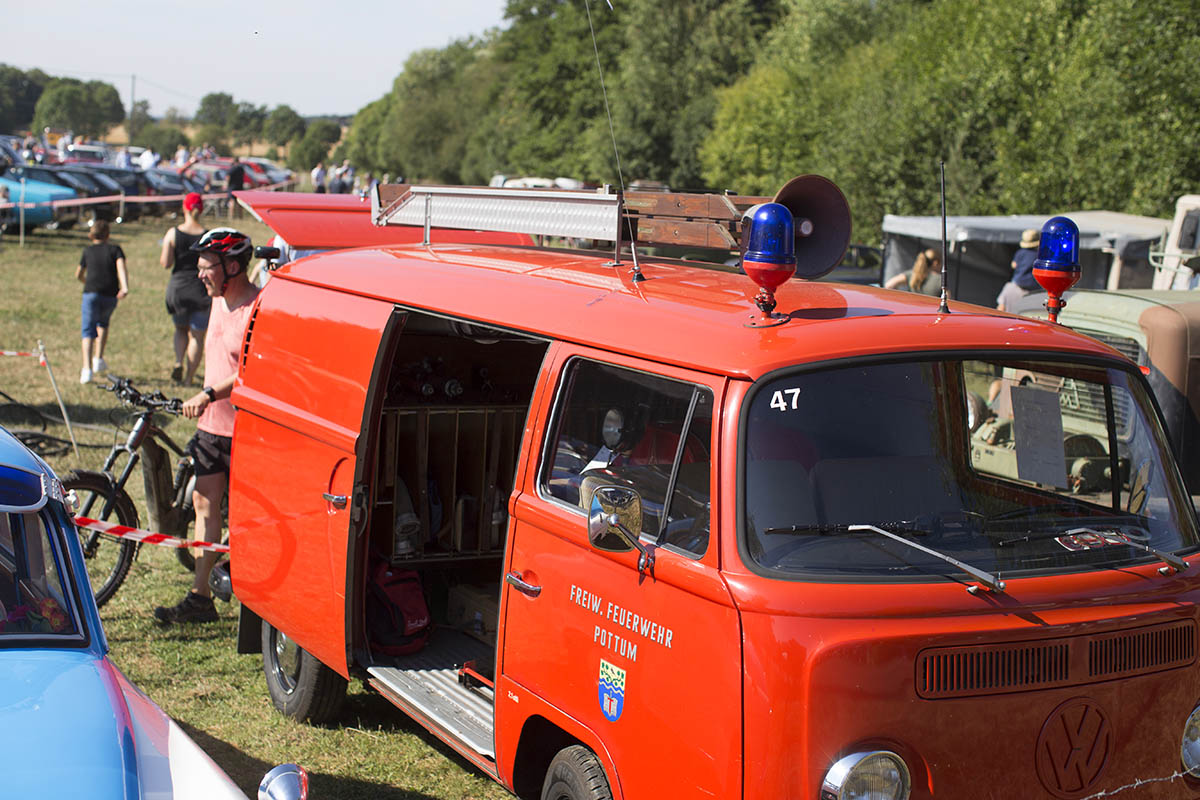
(102, 496)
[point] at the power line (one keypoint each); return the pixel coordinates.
(90, 74)
(169, 89)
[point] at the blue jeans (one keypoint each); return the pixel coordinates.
(95, 309)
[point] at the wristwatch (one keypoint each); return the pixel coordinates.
(212, 394)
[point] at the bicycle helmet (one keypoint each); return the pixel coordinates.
(225, 242)
(228, 245)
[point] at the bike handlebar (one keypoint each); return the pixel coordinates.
(127, 393)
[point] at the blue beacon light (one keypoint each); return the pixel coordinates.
(1057, 266)
(772, 237)
(768, 254)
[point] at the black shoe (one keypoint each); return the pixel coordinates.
(193, 608)
(177, 374)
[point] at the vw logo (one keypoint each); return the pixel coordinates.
(1073, 748)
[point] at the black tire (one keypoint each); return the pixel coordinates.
(186, 559)
(109, 558)
(301, 687)
(575, 774)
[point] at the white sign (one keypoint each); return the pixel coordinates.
(1038, 431)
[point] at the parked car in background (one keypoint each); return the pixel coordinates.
(71, 723)
(42, 195)
(81, 183)
(121, 212)
(214, 177)
(132, 181)
(256, 175)
(192, 183)
(167, 182)
(862, 265)
(85, 154)
(276, 173)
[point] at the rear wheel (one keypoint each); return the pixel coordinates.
(576, 774)
(108, 558)
(301, 687)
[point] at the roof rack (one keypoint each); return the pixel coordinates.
(693, 220)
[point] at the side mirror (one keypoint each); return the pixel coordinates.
(284, 782)
(616, 512)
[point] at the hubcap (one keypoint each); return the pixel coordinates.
(287, 661)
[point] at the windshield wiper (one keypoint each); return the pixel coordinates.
(985, 578)
(989, 580)
(1174, 563)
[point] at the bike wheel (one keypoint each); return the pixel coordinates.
(108, 558)
(185, 555)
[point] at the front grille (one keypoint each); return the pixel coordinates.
(975, 670)
(1132, 653)
(1122, 344)
(1084, 400)
(964, 671)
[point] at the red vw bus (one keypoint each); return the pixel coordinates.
(685, 534)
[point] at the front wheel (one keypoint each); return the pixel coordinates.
(108, 558)
(301, 687)
(576, 774)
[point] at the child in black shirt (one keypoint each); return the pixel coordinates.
(105, 280)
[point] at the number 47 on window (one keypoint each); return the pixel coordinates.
(779, 403)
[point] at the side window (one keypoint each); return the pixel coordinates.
(617, 426)
(33, 599)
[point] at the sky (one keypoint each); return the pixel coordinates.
(317, 57)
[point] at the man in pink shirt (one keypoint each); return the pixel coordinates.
(224, 255)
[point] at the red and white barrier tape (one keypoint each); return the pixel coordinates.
(147, 537)
(16, 353)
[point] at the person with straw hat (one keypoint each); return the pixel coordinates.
(1022, 282)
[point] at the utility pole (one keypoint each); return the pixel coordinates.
(132, 106)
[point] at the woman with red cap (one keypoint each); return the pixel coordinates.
(188, 302)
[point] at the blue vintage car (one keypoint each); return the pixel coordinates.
(71, 724)
(42, 194)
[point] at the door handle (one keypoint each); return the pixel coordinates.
(338, 500)
(521, 586)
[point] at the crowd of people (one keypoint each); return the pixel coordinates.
(37, 150)
(344, 179)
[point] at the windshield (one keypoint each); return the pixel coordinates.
(34, 601)
(1012, 467)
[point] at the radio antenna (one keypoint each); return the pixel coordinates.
(600, 70)
(616, 262)
(944, 308)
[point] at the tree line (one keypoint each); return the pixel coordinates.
(34, 100)
(1035, 106)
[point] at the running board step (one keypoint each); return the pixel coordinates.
(427, 683)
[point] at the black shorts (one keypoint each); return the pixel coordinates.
(210, 453)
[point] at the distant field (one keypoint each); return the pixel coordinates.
(217, 696)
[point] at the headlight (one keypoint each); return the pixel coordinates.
(880, 775)
(1189, 748)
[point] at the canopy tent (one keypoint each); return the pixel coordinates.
(1113, 249)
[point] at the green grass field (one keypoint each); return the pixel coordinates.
(194, 673)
